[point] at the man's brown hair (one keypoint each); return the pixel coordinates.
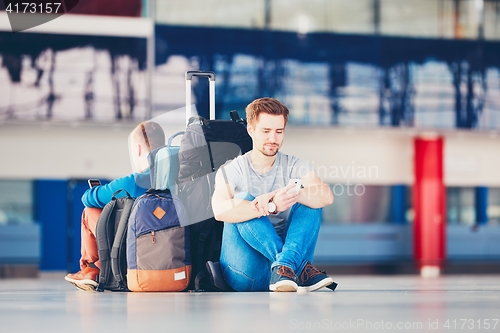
(266, 105)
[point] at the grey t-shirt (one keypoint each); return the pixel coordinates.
(241, 173)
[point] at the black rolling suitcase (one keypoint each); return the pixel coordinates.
(205, 146)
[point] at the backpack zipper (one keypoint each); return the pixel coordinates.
(153, 236)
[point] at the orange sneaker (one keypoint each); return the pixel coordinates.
(85, 279)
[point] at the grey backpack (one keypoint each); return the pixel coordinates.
(111, 232)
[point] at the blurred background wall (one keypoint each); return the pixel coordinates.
(362, 79)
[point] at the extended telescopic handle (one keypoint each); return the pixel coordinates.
(211, 77)
(209, 74)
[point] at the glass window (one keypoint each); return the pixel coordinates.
(432, 19)
(460, 205)
(359, 204)
(221, 13)
(494, 206)
(16, 202)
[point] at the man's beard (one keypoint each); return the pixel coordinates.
(269, 154)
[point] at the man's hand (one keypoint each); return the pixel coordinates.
(284, 200)
(261, 203)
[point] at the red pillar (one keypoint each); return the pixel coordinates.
(429, 231)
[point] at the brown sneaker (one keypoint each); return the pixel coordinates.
(86, 279)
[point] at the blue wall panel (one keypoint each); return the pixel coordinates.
(51, 212)
(481, 203)
(398, 204)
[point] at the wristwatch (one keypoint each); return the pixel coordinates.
(272, 207)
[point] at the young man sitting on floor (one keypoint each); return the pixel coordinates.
(270, 230)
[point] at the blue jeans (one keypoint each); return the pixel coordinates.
(252, 248)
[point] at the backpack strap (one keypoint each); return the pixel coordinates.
(102, 244)
(119, 242)
(210, 155)
(170, 139)
(114, 196)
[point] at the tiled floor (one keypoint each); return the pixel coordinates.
(360, 304)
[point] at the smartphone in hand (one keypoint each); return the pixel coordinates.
(94, 182)
(297, 183)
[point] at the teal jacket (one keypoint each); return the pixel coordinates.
(135, 184)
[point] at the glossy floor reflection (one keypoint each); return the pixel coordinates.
(360, 304)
